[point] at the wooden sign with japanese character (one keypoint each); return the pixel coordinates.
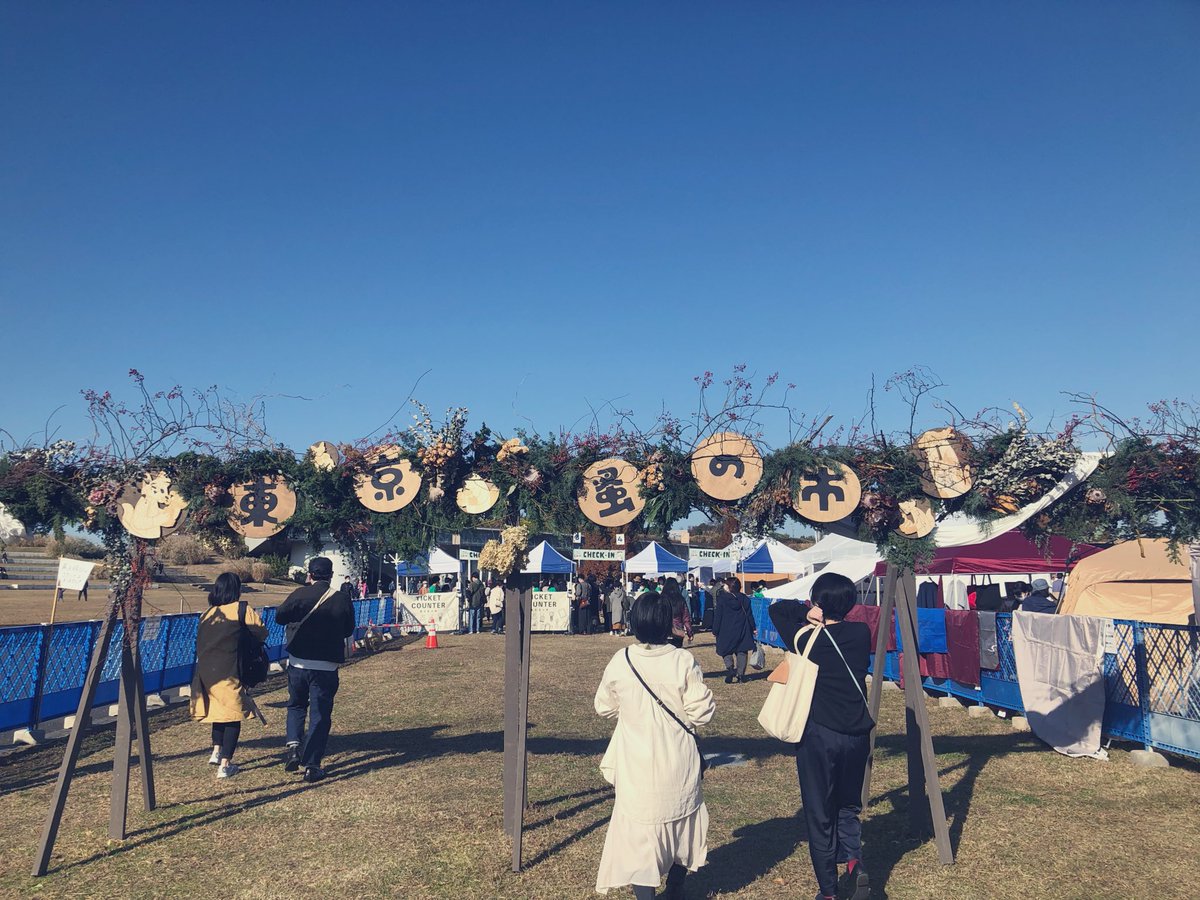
(389, 487)
(261, 506)
(727, 466)
(611, 493)
(828, 494)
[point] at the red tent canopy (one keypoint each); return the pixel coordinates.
(1010, 552)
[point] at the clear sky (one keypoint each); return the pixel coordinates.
(551, 204)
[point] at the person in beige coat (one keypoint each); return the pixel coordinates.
(659, 823)
(218, 697)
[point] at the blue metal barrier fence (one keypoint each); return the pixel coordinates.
(57, 659)
(1151, 679)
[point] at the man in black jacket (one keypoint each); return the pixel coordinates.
(476, 595)
(318, 619)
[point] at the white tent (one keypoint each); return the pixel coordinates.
(436, 562)
(858, 569)
(832, 547)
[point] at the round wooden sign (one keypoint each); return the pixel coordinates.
(389, 487)
(324, 455)
(943, 455)
(150, 509)
(261, 506)
(611, 493)
(828, 494)
(477, 495)
(727, 466)
(916, 518)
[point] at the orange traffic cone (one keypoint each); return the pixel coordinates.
(431, 636)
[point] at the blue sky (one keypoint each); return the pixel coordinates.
(548, 205)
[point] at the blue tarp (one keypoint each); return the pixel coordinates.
(931, 630)
(546, 560)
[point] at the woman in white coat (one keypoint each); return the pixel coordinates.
(659, 823)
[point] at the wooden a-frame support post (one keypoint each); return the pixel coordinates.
(131, 716)
(900, 594)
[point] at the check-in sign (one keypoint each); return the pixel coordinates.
(467, 554)
(582, 555)
(698, 556)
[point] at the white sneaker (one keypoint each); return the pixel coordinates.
(215, 759)
(228, 770)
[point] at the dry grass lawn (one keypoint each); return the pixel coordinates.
(31, 607)
(412, 807)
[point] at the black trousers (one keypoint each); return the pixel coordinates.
(583, 620)
(831, 766)
(225, 735)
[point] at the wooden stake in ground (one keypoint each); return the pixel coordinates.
(131, 712)
(900, 593)
(518, 601)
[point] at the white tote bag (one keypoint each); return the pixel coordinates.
(785, 713)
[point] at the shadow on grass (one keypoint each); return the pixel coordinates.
(755, 850)
(888, 837)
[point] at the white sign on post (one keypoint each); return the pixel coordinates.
(550, 611)
(416, 610)
(73, 574)
(582, 555)
(698, 556)
(468, 555)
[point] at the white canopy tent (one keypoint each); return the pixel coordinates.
(832, 547)
(859, 569)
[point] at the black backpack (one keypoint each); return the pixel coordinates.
(253, 662)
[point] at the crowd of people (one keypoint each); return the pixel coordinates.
(653, 688)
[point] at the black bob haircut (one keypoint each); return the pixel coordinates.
(835, 594)
(650, 618)
(226, 589)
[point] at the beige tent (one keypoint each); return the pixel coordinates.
(1134, 580)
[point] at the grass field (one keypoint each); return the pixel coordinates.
(412, 807)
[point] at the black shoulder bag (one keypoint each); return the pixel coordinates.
(253, 662)
(667, 710)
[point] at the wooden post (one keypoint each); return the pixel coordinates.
(922, 763)
(512, 669)
(145, 759)
(54, 602)
(66, 771)
(876, 693)
(521, 794)
(123, 748)
(517, 618)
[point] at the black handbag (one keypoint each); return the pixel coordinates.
(253, 662)
(667, 710)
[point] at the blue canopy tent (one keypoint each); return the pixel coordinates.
(435, 562)
(772, 556)
(655, 559)
(544, 559)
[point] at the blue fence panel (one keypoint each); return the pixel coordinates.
(1000, 686)
(20, 650)
(66, 666)
(1123, 706)
(152, 651)
(180, 661)
(110, 673)
(762, 621)
(275, 634)
(1172, 686)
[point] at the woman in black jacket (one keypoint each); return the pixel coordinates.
(733, 627)
(831, 758)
